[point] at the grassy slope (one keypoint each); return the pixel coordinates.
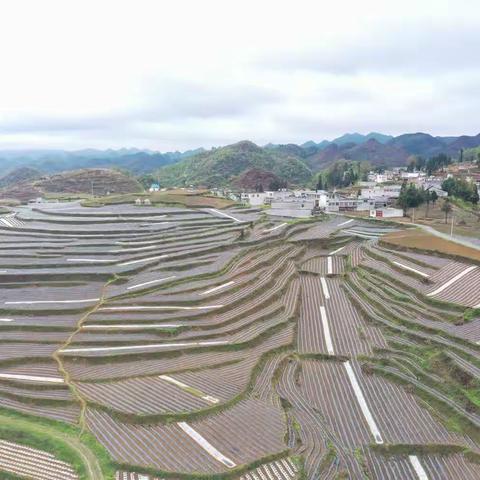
(83, 452)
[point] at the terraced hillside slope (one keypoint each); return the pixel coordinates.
(143, 343)
(98, 181)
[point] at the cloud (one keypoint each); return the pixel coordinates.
(169, 99)
(415, 49)
(281, 72)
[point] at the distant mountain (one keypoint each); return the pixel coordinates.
(321, 159)
(370, 151)
(51, 161)
(378, 154)
(358, 138)
(447, 140)
(18, 175)
(355, 138)
(221, 166)
(418, 144)
(311, 144)
(379, 137)
(290, 149)
(462, 143)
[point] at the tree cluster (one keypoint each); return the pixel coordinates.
(411, 196)
(342, 173)
(437, 162)
(459, 188)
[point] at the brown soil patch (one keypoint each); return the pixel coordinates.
(191, 200)
(421, 240)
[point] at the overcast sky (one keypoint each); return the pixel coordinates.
(179, 74)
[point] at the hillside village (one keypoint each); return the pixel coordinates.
(377, 197)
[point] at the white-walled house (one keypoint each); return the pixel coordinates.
(380, 177)
(319, 197)
(292, 207)
(349, 204)
(256, 199)
(386, 213)
(389, 191)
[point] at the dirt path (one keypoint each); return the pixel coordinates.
(58, 357)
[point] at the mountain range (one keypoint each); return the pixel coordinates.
(234, 164)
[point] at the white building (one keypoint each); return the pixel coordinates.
(439, 192)
(349, 204)
(379, 177)
(409, 175)
(388, 191)
(319, 197)
(292, 208)
(386, 212)
(414, 177)
(256, 199)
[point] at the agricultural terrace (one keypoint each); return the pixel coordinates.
(144, 343)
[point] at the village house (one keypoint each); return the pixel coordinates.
(386, 212)
(384, 177)
(387, 191)
(292, 207)
(337, 203)
(256, 199)
(319, 197)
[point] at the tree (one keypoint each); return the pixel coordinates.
(412, 164)
(410, 197)
(462, 189)
(428, 198)
(446, 208)
(402, 198)
(435, 163)
(434, 197)
(319, 183)
(420, 162)
(449, 185)
(474, 197)
(276, 184)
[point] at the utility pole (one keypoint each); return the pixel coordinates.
(413, 215)
(451, 226)
(92, 187)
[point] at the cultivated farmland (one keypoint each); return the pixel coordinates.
(143, 343)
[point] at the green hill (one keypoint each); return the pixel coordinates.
(221, 166)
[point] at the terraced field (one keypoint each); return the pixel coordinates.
(142, 343)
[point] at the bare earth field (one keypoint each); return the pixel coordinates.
(192, 340)
(416, 238)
